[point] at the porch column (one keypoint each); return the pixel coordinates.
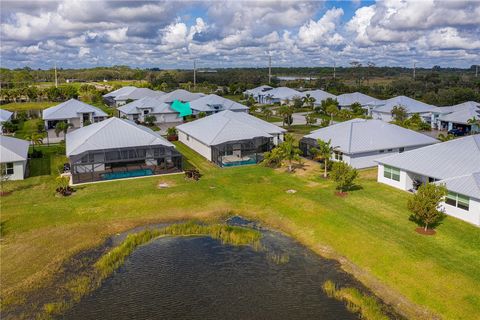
(450, 126)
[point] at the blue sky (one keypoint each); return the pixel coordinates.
(172, 34)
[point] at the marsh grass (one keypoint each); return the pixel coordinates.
(83, 284)
(278, 258)
(367, 306)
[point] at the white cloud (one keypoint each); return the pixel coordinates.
(117, 35)
(83, 52)
(323, 30)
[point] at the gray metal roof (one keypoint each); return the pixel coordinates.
(5, 115)
(257, 90)
(212, 102)
(71, 109)
(282, 93)
(139, 93)
(120, 92)
(468, 185)
(13, 149)
(462, 115)
(412, 105)
(444, 160)
(181, 95)
(228, 126)
(156, 106)
(457, 107)
(112, 133)
(348, 99)
(319, 95)
(361, 135)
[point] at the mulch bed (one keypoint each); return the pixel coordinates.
(341, 194)
(429, 232)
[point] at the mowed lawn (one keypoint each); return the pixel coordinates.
(369, 227)
(25, 106)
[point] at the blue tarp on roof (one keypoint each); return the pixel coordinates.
(182, 108)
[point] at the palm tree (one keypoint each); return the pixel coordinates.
(473, 121)
(289, 150)
(62, 127)
(286, 112)
(267, 113)
(308, 100)
(323, 151)
(332, 110)
(35, 138)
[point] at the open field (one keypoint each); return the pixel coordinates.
(25, 106)
(369, 228)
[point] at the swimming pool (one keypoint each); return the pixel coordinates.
(127, 174)
(239, 163)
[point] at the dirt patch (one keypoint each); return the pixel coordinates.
(306, 168)
(5, 193)
(428, 232)
(341, 194)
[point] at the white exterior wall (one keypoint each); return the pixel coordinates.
(367, 159)
(405, 182)
(76, 122)
(471, 216)
(167, 118)
(19, 168)
(195, 145)
(277, 139)
(387, 117)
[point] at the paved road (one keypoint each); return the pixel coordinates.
(298, 119)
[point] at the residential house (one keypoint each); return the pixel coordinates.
(359, 142)
(5, 115)
(257, 92)
(230, 138)
(75, 112)
(212, 104)
(455, 163)
(347, 99)
(383, 109)
(127, 94)
(181, 95)
(139, 109)
(118, 148)
(279, 95)
(459, 117)
(13, 157)
(319, 96)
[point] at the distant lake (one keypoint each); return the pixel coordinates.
(291, 78)
(199, 278)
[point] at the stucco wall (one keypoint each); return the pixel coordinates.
(404, 183)
(471, 216)
(195, 145)
(19, 169)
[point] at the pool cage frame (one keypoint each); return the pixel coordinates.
(89, 166)
(252, 148)
(305, 144)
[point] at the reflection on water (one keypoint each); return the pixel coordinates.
(199, 278)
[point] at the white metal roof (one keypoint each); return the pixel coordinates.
(71, 109)
(257, 90)
(468, 185)
(462, 115)
(212, 102)
(411, 105)
(228, 126)
(282, 93)
(112, 133)
(449, 159)
(348, 99)
(361, 135)
(154, 104)
(181, 95)
(457, 107)
(120, 92)
(5, 115)
(319, 95)
(139, 93)
(13, 149)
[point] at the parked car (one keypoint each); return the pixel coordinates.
(457, 132)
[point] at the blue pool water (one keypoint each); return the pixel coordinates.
(127, 174)
(239, 163)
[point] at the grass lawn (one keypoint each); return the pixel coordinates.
(25, 106)
(369, 227)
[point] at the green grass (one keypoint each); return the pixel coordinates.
(369, 227)
(25, 106)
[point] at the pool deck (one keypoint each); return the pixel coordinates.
(122, 179)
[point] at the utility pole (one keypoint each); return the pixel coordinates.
(194, 74)
(476, 71)
(414, 65)
(334, 69)
(269, 69)
(56, 80)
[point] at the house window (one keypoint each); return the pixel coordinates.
(381, 151)
(457, 200)
(135, 117)
(338, 156)
(188, 137)
(390, 150)
(400, 150)
(146, 112)
(8, 169)
(391, 173)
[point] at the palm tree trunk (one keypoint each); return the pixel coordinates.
(325, 164)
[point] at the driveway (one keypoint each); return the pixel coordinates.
(298, 119)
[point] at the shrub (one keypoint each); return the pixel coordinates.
(343, 175)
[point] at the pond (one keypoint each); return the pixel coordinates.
(199, 278)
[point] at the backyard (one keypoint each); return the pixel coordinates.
(368, 230)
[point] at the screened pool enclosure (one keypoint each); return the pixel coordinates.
(242, 152)
(117, 163)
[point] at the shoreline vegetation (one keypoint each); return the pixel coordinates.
(76, 286)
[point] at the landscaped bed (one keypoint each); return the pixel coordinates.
(368, 231)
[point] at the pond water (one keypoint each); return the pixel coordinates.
(199, 278)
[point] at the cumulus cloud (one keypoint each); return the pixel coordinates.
(77, 33)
